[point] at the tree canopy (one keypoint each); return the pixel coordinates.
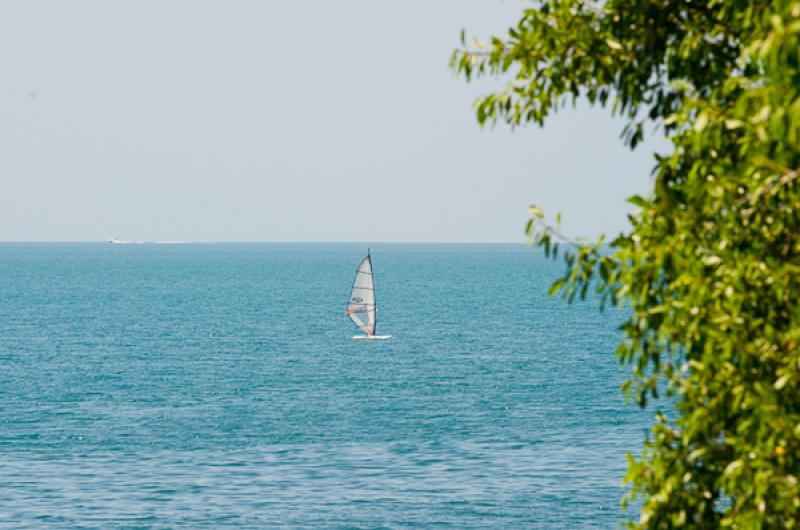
(709, 266)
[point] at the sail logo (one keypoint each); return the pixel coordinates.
(357, 299)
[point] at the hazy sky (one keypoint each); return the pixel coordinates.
(280, 121)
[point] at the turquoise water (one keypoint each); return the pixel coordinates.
(217, 385)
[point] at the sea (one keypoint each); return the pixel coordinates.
(218, 386)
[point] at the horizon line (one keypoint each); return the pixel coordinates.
(254, 241)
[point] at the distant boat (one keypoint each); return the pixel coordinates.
(361, 305)
(116, 241)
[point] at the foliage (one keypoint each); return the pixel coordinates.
(709, 266)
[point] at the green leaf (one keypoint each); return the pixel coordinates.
(556, 286)
(638, 200)
(536, 212)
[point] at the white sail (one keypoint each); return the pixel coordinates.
(361, 305)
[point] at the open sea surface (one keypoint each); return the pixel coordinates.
(217, 385)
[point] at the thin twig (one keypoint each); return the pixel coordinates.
(785, 179)
(479, 53)
(551, 229)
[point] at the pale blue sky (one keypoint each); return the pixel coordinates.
(280, 121)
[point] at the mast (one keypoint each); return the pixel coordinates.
(374, 298)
